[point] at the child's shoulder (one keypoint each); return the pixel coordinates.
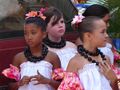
(18, 59)
(77, 58)
(51, 55)
(53, 59)
(20, 54)
(73, 64)
(77, 61)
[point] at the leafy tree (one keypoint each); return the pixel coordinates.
(115, 20)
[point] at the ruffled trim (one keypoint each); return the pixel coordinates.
(12, 72)
(31, 64)
(70, 80)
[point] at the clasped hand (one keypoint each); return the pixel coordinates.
(39, 78)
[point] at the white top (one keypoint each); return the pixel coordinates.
(108, 52)
(30, 69)
(65, 53)
(92, 79)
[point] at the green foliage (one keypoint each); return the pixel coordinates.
(115, 20)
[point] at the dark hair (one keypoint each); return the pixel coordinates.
(96, 10)
(50, 12)
(37, 21)
(87, 25)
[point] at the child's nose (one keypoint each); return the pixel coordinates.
(106, 35)
(29, 36)
(60, 24)
(108, 24)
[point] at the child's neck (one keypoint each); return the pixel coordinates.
(54, 39)
(90, 47)
(36, 51)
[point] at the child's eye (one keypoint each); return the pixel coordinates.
(33, 33)
(62, 21)
(103, 31)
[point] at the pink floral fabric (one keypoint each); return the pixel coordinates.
(12, 72)
(116, 65)
(117, 71)
(70, 80)
(116, 56)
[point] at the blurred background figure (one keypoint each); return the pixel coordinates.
(8, 7)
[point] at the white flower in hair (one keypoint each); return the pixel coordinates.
(77, 19)
(81, 10)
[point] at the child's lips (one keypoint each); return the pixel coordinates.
(105, 40)
(30, 42)
(61, 30)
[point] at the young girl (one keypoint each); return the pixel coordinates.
(90, 63)
(54, 40)
(36, 62)
(103, 13)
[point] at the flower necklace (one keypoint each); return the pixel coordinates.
(86, 54)
(52, 44)
(35, 59)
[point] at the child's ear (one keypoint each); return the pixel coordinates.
(44, 34)
(88, 35)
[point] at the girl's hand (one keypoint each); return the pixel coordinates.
(40, 79)
(105, 68)
(24, 80)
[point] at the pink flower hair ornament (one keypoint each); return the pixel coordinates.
(77, 19)
(35, 14)
(42, 10)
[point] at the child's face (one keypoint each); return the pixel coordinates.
(99, 34)
(57, 30)
(33, 34)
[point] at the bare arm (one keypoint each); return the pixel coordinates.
(72, 66)
(16, 62)
(18, 59)
(56, 64)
